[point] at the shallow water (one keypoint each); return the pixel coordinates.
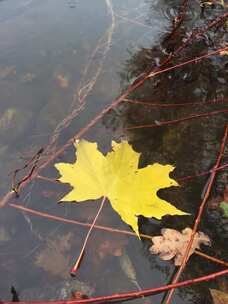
(70, 59)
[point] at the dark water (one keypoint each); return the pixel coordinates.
(60, 58)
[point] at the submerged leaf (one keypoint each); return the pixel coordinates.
(54, 258)
(131, 191)
(219, 297)
(128, 269)
(173, 243)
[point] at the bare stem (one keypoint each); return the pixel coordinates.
(174, 105)
(79, 259)
(176, 121)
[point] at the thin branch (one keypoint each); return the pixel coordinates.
(176, 121)
(185, 178)
(30, 163)
(194, 60)
(199, 215)
(174, 105)
(79, 259)
(213, 259)
(69, 221)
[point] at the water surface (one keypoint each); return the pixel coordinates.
(62, 57)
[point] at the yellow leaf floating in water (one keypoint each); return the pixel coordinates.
(130, 190)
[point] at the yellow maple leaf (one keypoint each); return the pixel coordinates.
(130, 190)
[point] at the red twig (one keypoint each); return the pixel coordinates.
(175, 121)
(199, 215)
(132, 294)
(194, 60)
(184, 178)
(174, 105)
(208, 257)
(79, 259)
(74, 222)
(33, 163)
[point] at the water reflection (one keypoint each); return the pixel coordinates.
(191, 146)
(42, 65)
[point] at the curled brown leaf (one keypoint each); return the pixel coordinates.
(172, 244)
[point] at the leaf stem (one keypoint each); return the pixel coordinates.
(79, 259)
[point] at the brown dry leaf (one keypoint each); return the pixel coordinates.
(53, 257)
(173, 243)
(219, 297)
